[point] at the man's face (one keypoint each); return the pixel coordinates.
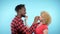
(22, 11)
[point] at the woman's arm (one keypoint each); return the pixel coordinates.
(26, 18)
(45, 31)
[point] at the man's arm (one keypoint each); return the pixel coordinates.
(34, 25)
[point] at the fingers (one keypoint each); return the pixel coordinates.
(40, 18)
(26, 17)
(36, 19)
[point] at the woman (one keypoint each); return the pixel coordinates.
(45, 20)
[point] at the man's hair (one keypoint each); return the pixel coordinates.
(19, 7)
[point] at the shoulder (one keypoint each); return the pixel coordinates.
(44, 26)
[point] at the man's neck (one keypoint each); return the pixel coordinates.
(19, 16)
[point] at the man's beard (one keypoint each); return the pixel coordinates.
(23, 15)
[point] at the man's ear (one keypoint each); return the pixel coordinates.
(19, 11)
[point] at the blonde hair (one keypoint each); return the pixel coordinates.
(46, 16)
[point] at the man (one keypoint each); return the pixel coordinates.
(17, 25)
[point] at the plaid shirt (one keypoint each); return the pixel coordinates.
(17, 27)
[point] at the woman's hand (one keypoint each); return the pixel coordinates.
(26, 18)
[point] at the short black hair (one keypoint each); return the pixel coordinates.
(19, 7)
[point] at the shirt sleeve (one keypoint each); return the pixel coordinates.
(32, 28)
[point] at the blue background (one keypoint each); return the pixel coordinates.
(33, 8)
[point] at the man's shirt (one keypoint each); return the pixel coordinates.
(18, 27)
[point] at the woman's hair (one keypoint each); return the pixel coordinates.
(46, 17)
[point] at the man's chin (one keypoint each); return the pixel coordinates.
(23, 15)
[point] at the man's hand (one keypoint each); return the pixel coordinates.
(40, 18)
(36, 19)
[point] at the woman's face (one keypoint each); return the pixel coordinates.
(42, 17)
